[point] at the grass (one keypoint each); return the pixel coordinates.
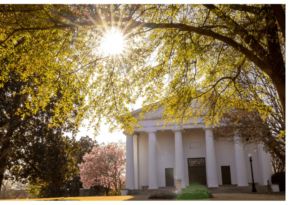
(197, 194)
(86, 198)
(192, 192)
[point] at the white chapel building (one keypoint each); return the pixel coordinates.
(157, 156)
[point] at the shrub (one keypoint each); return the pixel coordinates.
(197, 194)
(114, 193)
(157, 195)
(279, 178)
(22, 197)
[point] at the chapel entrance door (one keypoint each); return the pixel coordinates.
(169, 174)
(197, 171)
(226, 177)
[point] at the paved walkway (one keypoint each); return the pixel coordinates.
(247, 197)
(232, 197)
(217, 197)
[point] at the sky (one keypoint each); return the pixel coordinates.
(105, 136)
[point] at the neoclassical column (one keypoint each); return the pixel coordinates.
(136, 160)
(265, 165)
(152, 159)
(211, 166)
(240, 162)
(179, 158)
(129, 162)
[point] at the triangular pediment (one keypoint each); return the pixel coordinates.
(151, 115)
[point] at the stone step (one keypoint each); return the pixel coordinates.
(150, 191)
(228, 189)
(248, 189)
(221, 189)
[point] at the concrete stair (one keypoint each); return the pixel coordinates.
(228, 189)
(220, 189)
(151, 191)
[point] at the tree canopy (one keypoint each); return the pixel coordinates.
(87, 144)
(176, 54)
(67, 186)
(251, 126)
(32, 150)
(104, 166)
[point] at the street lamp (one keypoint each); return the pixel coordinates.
(253, 185)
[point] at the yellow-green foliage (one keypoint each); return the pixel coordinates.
(34, 190)
(114, 192)
(176, 54)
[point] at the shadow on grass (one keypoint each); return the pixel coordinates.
(62, 200)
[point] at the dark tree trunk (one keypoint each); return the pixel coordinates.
(1, 180)
(3, 162)
(275, 58)
(280, 16)
(279, 82)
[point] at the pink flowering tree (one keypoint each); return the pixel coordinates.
(104, 166)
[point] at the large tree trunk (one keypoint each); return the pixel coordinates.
(279, 82)
(1, 180)
(3, 158)
(275, 57)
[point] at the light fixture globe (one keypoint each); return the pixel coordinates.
(250, 155)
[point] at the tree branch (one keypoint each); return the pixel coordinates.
(250, 9)
(280, 16)
(249, 39)
(36, 29)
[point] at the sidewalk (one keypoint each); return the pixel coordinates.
(217, 197)
(247, 197)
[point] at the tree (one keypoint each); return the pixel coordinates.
(87, 144)
(6, 189)
(253, 127)
(104, 166)
(30, 149)
(72, 186)
(199, 50)
(59, 167)
(34, 190)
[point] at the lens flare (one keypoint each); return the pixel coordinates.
(113, 42)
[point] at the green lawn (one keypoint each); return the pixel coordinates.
(192, 192)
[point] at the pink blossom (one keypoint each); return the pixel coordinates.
(105, 166)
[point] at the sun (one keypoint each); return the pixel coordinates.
(113, 42)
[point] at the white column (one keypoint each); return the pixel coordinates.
(240, 163)
(265, 165)
(179, 158)
(129, 162)
(152, 160)
(136, 160)
(211, 166)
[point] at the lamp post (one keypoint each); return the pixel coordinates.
(253, 185)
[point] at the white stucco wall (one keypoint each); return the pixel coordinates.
(143, 160)
(165, 151)
(165, 155)
(252, 148)
(225, 156)
(188, 137)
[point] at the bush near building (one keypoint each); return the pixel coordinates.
(279, 178)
